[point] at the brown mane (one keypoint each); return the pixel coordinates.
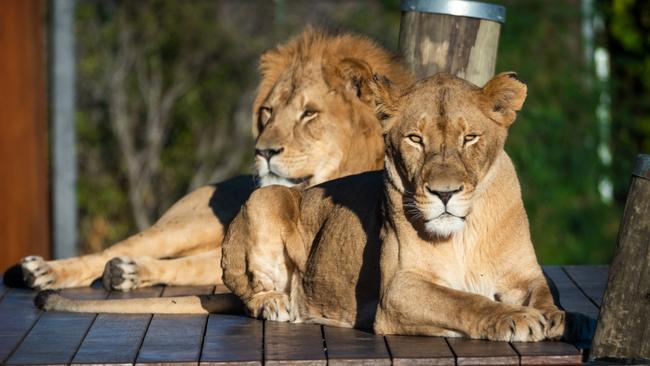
(319, 45)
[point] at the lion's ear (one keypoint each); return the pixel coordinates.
(385, 99)
(505, 96)
(351, 75)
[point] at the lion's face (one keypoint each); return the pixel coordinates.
(443, 136)
(306, 128)
(313, 117)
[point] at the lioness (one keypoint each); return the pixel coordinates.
(436, 244)
(312, 120)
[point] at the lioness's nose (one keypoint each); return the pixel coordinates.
(444, 195)
(268, 153)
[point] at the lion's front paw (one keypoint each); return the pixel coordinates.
(555, 322)
(271, 305)
(37, 273)
(121, 273)
(522, 324)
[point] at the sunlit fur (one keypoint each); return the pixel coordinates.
(464, 268)
(357, 252)
(328, 75)
(442, 159)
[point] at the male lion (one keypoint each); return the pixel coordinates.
(312, 120)
(436, 244)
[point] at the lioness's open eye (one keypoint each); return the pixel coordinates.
(415, 138)
(470, 139)
(308, 113)
(265, 115)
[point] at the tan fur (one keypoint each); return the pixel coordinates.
(328, 74)
(463, 265)
(437, 244)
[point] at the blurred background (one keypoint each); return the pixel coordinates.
(158, 98)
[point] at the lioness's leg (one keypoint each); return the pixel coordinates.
(126, 273)
(260, 249)
(412, 304)
(540, 297)
(195, 223)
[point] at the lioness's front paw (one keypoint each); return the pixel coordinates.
(271, 305)
(121, 273)
(555, 322)
(522, 324)
(37, 273)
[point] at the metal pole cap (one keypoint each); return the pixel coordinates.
(642, 166)
(463, 8)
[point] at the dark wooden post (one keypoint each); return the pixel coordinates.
(455, 36)
(24, 194)
(623, 330)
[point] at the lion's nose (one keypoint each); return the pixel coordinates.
(268, 153)
(444, 195)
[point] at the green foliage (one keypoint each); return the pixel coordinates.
(628, 39)
(553, 143)
(209, 134)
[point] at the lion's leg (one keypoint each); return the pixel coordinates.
(195, 223)
(155, 242)
(127, 273)
(413, 304)
(259, 252)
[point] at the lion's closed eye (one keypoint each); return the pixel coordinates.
(308, 114)
(470, 139)
(265, 114)
(415, 140)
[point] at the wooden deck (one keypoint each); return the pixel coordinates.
(29, 336)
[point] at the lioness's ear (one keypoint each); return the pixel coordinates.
(352, 75)
(505, 96)
(385, 98)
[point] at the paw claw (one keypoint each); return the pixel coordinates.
(517, 325)
(555, 319)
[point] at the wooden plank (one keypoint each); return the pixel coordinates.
(481, 352)
(407, 350)
(592, 280)
(547, 353)
(571, 298)
(116, 338)
(175, 338)
(577, 306)
(3, 289)
(17, 317)
(352, 346)
(233, 339)
(56, 336)
(286, 343)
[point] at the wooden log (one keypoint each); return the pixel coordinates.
(623, 330)
(454, 36)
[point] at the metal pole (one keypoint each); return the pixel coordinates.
(63, 131)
